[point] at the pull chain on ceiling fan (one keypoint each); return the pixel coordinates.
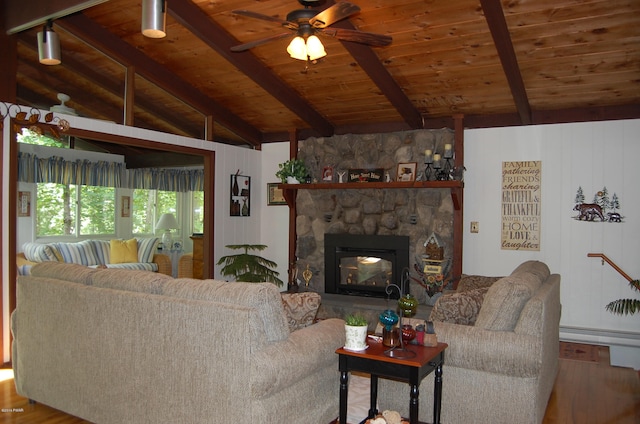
(307, 23)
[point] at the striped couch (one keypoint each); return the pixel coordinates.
(93, 253)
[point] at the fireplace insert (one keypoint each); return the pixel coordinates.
(363, 265)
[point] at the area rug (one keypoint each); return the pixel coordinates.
(579, 352)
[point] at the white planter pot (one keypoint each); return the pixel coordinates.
(355, 337)
(292, 180)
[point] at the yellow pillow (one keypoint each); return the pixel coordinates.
(124, 251)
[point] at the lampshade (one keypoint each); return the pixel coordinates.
(297, 48)
(48, 45)
(315, 49)
(154, 18)
(167, 222)
(312, 49)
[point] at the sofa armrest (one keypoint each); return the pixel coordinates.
(164, 263)
(304, 352)
(499, 352)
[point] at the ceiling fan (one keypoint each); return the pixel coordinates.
(307, 22)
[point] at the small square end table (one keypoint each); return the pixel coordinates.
(412, 370)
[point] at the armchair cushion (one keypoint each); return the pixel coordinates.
(471, 282)
(300, 309)
(504, 301)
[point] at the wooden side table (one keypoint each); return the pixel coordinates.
(412, 370)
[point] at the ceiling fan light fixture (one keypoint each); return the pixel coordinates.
(154, 17)
(315, 49)
(297, 48)
(49, 45)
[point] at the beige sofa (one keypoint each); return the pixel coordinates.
(116, 346)
(500, 365)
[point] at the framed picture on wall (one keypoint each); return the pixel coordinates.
(24, 203)
(126, 207)
(240, 195)
(406, 171)
(274, 195)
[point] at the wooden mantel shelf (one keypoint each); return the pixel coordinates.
(289, 191)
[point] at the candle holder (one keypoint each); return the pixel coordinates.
(427, 171)
(400, 351)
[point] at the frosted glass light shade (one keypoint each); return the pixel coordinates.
(315, 49)
(297, 48)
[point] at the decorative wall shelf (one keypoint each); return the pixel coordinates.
(289, 191)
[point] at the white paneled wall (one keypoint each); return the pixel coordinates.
(588, 155)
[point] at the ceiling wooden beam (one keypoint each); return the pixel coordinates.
(102, 40)
(19, 16)
(117, 87)
(198, 23)
(374, 68)
(494, 15)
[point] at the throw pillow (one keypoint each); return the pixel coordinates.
(459, 307)
(124, 251)
(471, 282)
(300, 309)
(146, 249)
(38, 252)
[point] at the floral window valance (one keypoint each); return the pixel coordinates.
(54, 169)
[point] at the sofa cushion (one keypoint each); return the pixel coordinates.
(300, 309)
(102, 249)
(62, 271)
(459, 307)
(472, 282)
(123, 251)
(537, 268)
(263, 297)
(81, 253)
(38, 252)
(147, 248)
(128, 280)
(504, 301)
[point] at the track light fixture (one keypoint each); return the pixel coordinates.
(154, 17)
(49, 45)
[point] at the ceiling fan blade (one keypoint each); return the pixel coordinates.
(252, 44)
(369, 38)
(333, 14)
(256, 15)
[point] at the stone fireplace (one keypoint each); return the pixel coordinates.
(412, 213)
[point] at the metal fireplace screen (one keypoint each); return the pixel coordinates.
(363, 265)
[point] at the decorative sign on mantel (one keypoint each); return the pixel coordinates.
(521, 183)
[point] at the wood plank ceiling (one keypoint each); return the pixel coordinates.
(510, 62)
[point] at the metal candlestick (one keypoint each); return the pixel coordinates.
(400, 351)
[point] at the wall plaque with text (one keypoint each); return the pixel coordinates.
(521, 183)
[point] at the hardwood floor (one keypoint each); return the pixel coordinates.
(584, 393)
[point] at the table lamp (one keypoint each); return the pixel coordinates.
(167, 222)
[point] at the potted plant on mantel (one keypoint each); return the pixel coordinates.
(293, 171)
(355, 328)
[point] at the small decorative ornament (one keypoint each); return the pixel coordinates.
(340, 176)
(307, 274)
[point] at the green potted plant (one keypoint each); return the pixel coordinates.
(355, 328)
(626, 306)
(293, 171)
(248, 267)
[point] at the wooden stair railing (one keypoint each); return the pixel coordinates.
(610, 262)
